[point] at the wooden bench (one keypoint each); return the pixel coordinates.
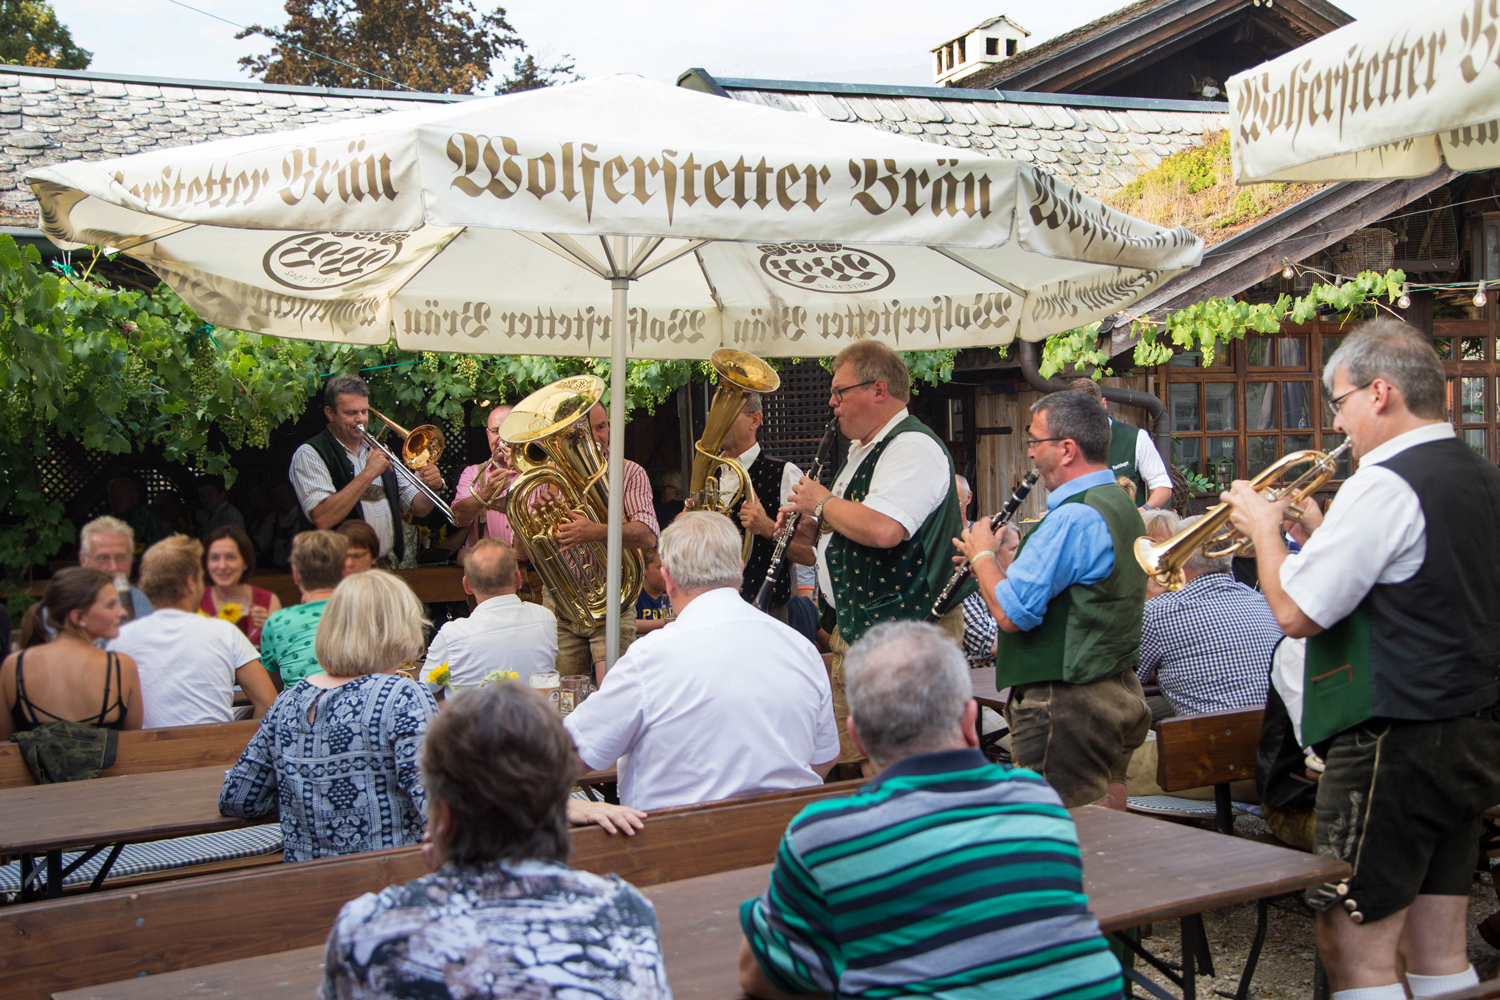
(146, 751)
(1215, 748)
(431, 584)
(83, 940)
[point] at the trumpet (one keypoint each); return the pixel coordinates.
(1163, 561)
(422, 445)
(501, 463)
(1001, 517)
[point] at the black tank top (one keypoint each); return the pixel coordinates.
(24, 705)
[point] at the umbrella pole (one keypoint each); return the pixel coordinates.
(620, 295)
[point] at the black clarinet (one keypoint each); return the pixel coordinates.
(763, 597)
(1023, 490)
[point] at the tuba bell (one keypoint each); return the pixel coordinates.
(562, 473)
(740, 374)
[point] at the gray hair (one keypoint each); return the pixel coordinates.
(875, 362)
(344, 385)
(701, 550)
(1199, 564)
(1398, 353)
(908, 683)
(104, 526)
(1168, 519)
(751, 403)
(1076, 416)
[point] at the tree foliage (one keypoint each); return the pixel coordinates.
(528, 74)
(436, 46)
(31, 35)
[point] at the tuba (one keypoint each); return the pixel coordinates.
(740, 374)
(422, 445)
(1163, 561)
(562, 473)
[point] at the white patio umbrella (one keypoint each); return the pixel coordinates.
(1388, 98)
(495, 226)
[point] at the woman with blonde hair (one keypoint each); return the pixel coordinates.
(338, 751)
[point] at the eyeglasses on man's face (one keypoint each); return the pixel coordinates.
(838, 393)
(1337, 402)
(1032, 442)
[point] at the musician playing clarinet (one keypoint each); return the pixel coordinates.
(884, 527)
(1069, 610)
(772, 478)
(1396, 588)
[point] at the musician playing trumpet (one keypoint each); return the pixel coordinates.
(1069, 610)
(1396, 591)
(338, 475)
(479, 498)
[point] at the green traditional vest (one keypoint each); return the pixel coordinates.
(1089, 632)
(1122, 442)
(897, 584)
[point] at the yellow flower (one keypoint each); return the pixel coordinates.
(231, 613)
(439, 675)
(497, 676)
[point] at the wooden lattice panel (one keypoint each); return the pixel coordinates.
(797, 414)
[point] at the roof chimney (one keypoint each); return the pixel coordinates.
(988, 42)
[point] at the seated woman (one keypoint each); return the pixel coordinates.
(229, 559)
(498, 766)
(69, 679)
(364, 546)
(338, 750)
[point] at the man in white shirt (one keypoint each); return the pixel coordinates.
(725, 700)
(885, 530)
(189, 663)
(502, 632)
(1133, 455)
(1396, 591)
(338, 475)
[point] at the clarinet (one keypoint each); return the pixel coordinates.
(784, 538)
(1023, 490)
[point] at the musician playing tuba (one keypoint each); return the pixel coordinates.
(338, 475)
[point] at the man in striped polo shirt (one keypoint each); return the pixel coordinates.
(947, 876)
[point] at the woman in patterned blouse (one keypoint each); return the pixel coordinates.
(501, 915)
(338, 751)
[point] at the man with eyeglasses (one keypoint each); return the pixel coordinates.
(1396, 590)
(882, 532)
(1069, 611)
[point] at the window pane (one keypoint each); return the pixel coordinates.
(1258, 351)
(1261, 451)
(1291, 443)
(1184, 407)
(1330, 344)
(1474, 438)
(1444, 347)
(1332, 441)
(1472, 349)
(1219, 413)
(1221, 465)
(1472, 398)
(1296, 405)
(1292, 352)
(1260, 406)
(1187, 359)
(1186, 454)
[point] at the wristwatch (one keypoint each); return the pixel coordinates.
(823, 526)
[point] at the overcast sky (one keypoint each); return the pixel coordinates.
(870, 41)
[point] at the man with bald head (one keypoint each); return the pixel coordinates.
(502, 632)
(471, 489)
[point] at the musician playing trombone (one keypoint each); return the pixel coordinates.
(1069, 611)
(338, 475)
(1396, 590)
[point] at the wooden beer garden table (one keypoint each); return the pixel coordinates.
(92, 815)
(1136, 870)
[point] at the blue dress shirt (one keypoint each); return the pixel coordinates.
(1071, 545)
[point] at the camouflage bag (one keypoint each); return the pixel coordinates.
(67, 751)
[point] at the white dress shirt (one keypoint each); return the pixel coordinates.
(723, 701)
(186, 664)
(1149, 464)
(910, 481)
(313, 483)
(790, 475)
(502, 633)
(1374, 532)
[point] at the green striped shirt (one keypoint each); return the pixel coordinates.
(946, 877)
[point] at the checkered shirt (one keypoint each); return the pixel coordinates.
(980, 629)
(1210, 644)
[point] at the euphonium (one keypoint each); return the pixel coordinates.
(740, 374)
(1163, 561)
(562, 473)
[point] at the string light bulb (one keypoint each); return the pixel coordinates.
(1479, 297)
(1404, 302)
(1288, 272)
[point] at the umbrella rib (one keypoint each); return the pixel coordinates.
(609, 258)
(647, 248)
(127, 245)
(566, 246)
(685, 249)
(982, 272)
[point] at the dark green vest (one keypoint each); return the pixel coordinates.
(1089, 632)
(901, 583)
(1122, 442)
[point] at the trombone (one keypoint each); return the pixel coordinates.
(420, 446)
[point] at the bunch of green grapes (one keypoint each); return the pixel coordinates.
(467, 369)
(430, 362)
(260, 431)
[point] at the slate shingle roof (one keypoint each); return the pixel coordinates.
(47, 116)
(1095, 149)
